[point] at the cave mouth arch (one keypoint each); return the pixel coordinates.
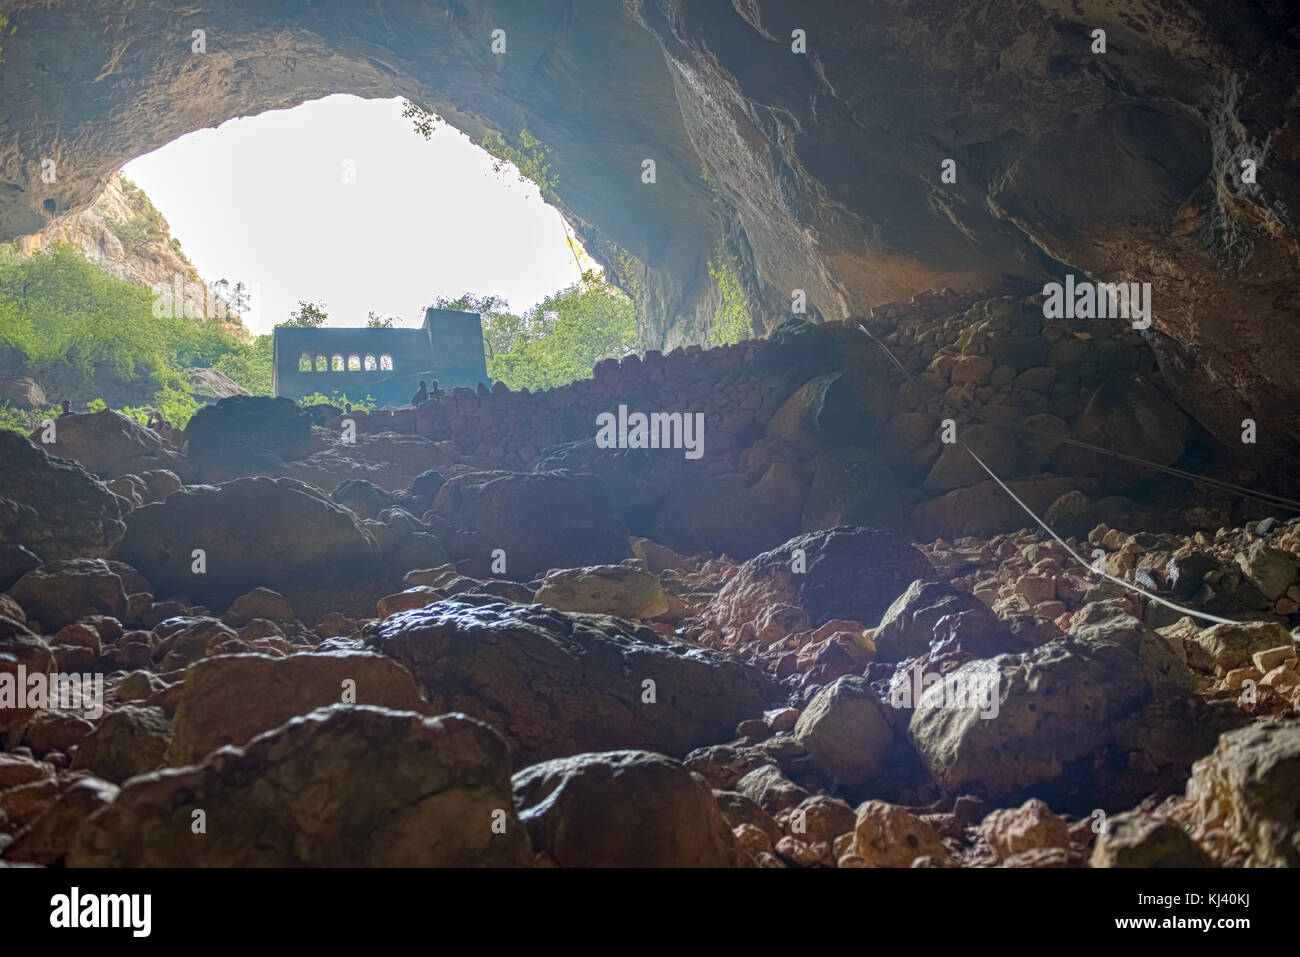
(339, 202)
(127, 88)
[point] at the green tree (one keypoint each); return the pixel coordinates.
(374, 321)
(308, 315)
(560, 339)
(249, 365)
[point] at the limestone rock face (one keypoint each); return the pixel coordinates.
(53, 506)
(622, 809)
(288, 534)
(372, 787)
(543, 520)
(1082, 181)
(555, 684)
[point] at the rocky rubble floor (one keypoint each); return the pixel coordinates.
(294, 676)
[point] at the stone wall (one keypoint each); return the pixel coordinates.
(815, 427)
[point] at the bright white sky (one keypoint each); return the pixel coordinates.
(263, 200)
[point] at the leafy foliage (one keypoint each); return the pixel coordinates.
(374, 321)
(62, 319)
(308, 315)
(249, 365)
(66, 318)
(530, 162)
(339, 399)
(731, 322)
(423, 118)
(560, 339)
(4, 23)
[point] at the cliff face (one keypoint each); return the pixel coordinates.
(819, 170)
(124, 234)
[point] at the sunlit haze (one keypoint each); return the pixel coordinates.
(340, 200)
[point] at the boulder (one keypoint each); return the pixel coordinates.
(846, 732)
(128, 741)
(906, 629)
(58, 593)
(22, 392)
(388, 461)
(103, 442)
(342, 786)
(847, 572)
(15, 562)
(209, 385)
(1271, 569)
(985, 510)
(956, 468)
(1248, 786)
(622, 809)
(885, 835)
(851, 486)
(53, 506)
(634, 478)
(247, 435)
(1229, 646)
(542, 520)
(618, 590)
(276, 533)
(555, 683)
(259, 603)
(45, 841)
(771, 790)
(1051, 705)
(830, 411)
(229, 699)
(1136, 839)
(1011, 831)
(1128, 414)
(720, 514)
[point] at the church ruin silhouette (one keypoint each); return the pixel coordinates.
(384, 364)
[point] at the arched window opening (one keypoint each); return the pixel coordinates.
(304, 363)
(370, 364)
(322, 364)
(336, 363)
(386, 363)
(354, 363)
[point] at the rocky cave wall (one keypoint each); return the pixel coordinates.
(820, 171)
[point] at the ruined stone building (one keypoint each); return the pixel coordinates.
(384, 364)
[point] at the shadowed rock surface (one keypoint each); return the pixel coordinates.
(342, 785)
(557, 683)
